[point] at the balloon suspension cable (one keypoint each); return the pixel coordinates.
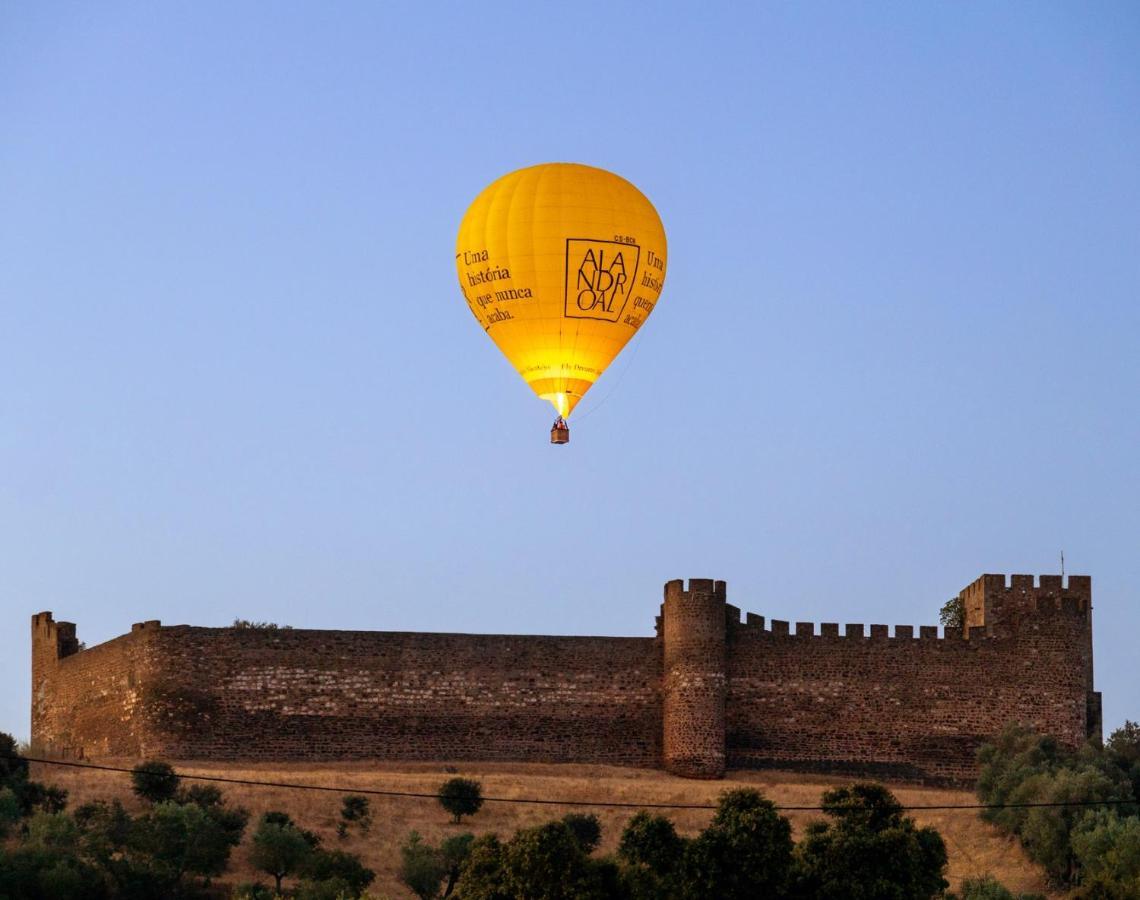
(620, 378)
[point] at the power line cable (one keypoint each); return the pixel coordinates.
(547, 801)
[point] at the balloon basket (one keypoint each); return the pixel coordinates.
(560, 433)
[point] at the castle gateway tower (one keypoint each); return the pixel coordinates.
(709, 691)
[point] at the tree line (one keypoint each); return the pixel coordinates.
(863, 847)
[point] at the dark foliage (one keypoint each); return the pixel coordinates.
(746, 851)
(29, 796)
(483, 876)
(988, 888)
(461, 797)
(1123, 750)
(336, 872)
(355, 810)
(586, 828)
(279, 848)
(1021, 767)
(953, 613)
(547, 863)
(651, 841)
(868, 851)
(154, 781)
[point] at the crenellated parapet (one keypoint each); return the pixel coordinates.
(1044, 602)
(1002, 605)
(52, 640)
(715, 686)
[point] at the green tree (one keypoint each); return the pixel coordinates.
(1047, 831)
(275, 817)
(953, 613)
(586, 828)
(279, 848)
(56, 832)
(547, 863)
(484, 876)
(335, 872)
(154, 781)
(14, 776)
(9, 811)
(649, 850)
(104, 831)
(232, 820)
(745, 852)
(1123, 750)
(461, 797)
(35, 873)
(651, 841)
(868, 851)
(1015, 756)
(354, 810)
(421, 867)
(454, 852)
(12, 763)
(1107, 847)
(179, 840)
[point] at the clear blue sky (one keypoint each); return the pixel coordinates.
(897, 346)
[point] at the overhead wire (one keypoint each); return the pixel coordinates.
(547, 801)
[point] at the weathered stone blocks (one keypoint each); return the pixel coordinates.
(707, 691)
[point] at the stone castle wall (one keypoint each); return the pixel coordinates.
(708, 691)
(902, 706)
(224, 693)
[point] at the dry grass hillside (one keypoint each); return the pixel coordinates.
(974, 847)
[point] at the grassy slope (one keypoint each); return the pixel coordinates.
(974, 847)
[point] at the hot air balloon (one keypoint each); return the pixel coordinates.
(561, 264)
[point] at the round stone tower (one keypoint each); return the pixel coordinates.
(693, 628)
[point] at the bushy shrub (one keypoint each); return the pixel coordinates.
(988, 888)
(1107, 849)
(180, 840)
(9, 811)
(461, 797)
(651, 841)
(868, 851)
(30, 796)
(548, 863)
(12, 763)
(154, 781)
(745, 852)
(483, 876)
(586, 828)
(355, 810)
(343, 870)
(1123, 750)
(1043, 792)
(279, 848)
(421, 867)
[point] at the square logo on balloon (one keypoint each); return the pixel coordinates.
(599, 278)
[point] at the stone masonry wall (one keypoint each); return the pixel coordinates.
(88, 702)
(224, 693)
(907, 706)
(693, 625)
(707, 691)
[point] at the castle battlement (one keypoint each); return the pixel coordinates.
(715, 687)
(1003, 606)
(1042, 607)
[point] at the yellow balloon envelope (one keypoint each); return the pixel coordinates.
(561, 264)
